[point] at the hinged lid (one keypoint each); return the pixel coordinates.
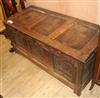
(69, 35)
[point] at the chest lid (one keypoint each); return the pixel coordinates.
(69, 35)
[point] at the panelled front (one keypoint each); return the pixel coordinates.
(64, 68)
(30, 46)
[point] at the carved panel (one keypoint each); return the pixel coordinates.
(63, 68)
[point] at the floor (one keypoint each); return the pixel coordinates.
(20, 78)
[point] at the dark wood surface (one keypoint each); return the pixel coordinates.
(96, 75)
(63, 46)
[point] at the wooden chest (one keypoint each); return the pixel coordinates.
(62, 45)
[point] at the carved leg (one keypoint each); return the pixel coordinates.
(12, 50)
(78, 92)
(92, 85)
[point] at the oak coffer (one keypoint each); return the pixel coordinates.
(63, 46)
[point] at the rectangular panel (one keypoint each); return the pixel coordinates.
(77, 36)
(30, 18)
(63, 68)
(40, 54)
(48, 25)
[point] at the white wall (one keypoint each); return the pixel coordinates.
(98, 19)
